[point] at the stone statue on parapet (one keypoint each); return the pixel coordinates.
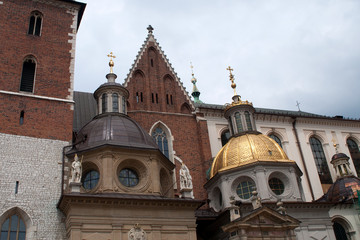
(76, 170)
(185, 177)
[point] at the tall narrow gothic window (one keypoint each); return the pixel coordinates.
(28, 75)
(115, 102)
(123, 105)
(248, 121)
(276, 138)
(238, 122)
(160, 138)
(104, 103)
(320, 161)
(354, 153)
(13, 229)
(35, 24)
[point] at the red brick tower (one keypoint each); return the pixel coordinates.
(37, 49)
(159, 102)
(37, 67)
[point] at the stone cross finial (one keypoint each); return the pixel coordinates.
(150, 29)
(111, 62)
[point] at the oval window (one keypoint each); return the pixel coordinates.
(277, 186)
(90, 179)
(245, 188)
(128, 177)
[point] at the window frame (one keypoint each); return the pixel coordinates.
(9, 230)
(25, 81)
(320, 160)
(355, 159)
(35, 27)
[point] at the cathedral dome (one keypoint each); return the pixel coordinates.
(247, 148)
(343, 189)
(114, 129)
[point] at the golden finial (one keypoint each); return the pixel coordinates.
(233, 85)
(193, 79)
(111, 62)
(336, 146)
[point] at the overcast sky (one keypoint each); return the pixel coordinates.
(281, 51)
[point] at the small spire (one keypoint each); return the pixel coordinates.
(195, 93)
(233, 85)
(150, 29)
(111, 62)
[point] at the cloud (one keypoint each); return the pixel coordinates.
(280, 51)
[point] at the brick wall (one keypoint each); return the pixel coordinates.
(53, 52)
(42, 118)
(152, 76)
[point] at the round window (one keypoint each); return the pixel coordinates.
(277, 186)
(245, 188)
(90, 179)
(128, 177)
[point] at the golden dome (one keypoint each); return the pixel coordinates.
(246, 149)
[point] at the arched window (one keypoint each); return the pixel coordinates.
(248, 121)
(28, 75)
(340, 232)
(115, 102)
(238, 122)
(225, 136)
(104, 102)
(13, 228)
(320, 161)
(35, 23)
(123, 105)
(161, 140)
(276, 139)
(354, 153)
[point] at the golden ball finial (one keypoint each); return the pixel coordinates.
(111, 62)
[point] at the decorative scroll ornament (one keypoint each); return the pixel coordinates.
(137, 233)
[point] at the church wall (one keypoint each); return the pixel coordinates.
(186, 144)
(344, 214)
(42, 118)
(53, 75)
(35, 164)
(325, 129)
(104, 218)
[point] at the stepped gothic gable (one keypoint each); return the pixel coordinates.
(153, 83)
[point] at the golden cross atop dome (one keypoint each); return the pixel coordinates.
(111, 62)
(233, 85)
(192, 67)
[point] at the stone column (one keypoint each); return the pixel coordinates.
(262, 184)
(116, 233)
(107, 175)
(156, 231)
(155, 174)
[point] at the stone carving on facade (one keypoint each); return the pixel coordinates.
(137, 233)
(255, 200)
(185, 178)
(76, 170)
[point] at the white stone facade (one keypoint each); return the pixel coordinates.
(35, 165)
(324, 129)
